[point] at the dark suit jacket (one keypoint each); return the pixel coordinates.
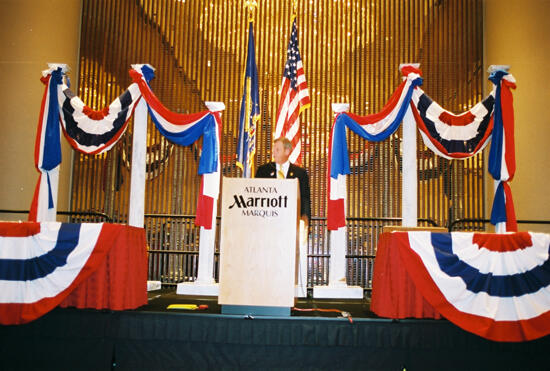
(269, 170)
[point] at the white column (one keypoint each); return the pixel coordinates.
(410, 175)
(205, 274)
(137, 181)
(337, 284)
(205, 284)
(301, 287)
(409, 185)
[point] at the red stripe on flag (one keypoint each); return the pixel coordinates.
(292, 100)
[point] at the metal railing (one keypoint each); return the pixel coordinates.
(174, 247)
(455, 222)
(85, 216)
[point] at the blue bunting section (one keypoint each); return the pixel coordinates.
(494, 285)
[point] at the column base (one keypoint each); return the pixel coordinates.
(195, 288)
(300, 291)
(153, 285)
(338, 292)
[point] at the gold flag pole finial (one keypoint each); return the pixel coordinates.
(294, 8)
(251, 5)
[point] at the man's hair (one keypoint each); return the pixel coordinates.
(286, 143)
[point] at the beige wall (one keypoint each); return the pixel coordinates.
(517, 33)
(32, 34)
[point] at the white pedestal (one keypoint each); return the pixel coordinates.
(197, 288)
(337, 287)
(338, 292)
(300, 291)
(205, 284)
(301, 285)
(154, 285)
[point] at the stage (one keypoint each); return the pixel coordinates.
(155, 338)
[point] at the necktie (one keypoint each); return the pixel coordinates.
(280, 174)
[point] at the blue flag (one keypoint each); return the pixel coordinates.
(250, 111)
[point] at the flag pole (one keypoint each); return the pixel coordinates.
(249, 114)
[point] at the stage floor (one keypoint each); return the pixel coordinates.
(159, 300)
(153, 337)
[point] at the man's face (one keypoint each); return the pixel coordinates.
(280, 153)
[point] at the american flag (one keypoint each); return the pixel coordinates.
(294, 98)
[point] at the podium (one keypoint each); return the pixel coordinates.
(258, 246)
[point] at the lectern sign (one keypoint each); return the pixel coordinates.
(258, 242)
(260, 201)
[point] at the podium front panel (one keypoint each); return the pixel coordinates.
(258, 242)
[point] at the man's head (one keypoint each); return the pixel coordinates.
(281, 150)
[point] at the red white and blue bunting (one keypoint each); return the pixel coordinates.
(94, 132)
(502, 156)
(47, 150)
(375, 127)
(41, 263)
(494, 285)
(185, 129)
(446, 134)
(462, 136)
(453, 136)
(88, 131)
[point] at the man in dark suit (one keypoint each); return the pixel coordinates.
(282, 168)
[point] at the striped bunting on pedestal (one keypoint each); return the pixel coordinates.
(494, 285)
(41, 263)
